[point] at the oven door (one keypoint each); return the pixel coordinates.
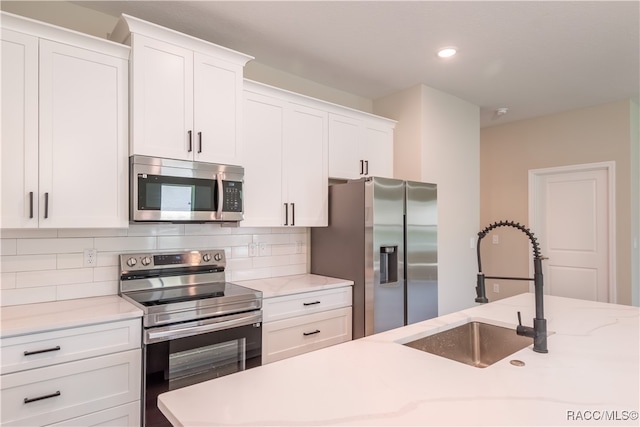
(179, 359)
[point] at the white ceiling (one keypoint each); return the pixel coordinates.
(534, 57)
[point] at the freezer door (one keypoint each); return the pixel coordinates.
(384, 242)
(422, 251)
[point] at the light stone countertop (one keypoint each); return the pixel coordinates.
(47, 316)
(286, 285)
(589, 377)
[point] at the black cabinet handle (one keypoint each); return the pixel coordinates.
(286, 214)
(31, 204)
(366, 170)
(311, 303)
(361, 167)
(190, 141)
(35, 399)
(46, 205)
(199, 142)
(46, 350)
(293, 214)
(306, 334)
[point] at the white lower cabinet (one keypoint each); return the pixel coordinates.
(88, 375)
(300, 323)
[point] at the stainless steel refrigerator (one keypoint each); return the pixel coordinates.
(382, 234)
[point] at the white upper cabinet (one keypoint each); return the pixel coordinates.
(286, 172)
(360, 145)
(186, 94)
(64, 128)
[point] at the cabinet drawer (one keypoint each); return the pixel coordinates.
(290, 337)
(122, 416)
(287, 306)
(48, 348)
(56, 393)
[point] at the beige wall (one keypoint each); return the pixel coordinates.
(508, 152)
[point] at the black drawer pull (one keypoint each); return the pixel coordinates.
(35, 399)
(311, 303)
(46, 350)
(306, 334)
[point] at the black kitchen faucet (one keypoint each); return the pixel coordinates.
(539, 330)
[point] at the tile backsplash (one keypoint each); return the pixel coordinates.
(42, 265)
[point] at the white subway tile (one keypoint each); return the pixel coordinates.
(271, 261)
(254, 273)
(53, 246)
(86, 290)
(201, 242)
(8, 246)
(287, 249)
(27, 296)
(27, 263)
(239, 252)
(251, 230)
(92, 232)
(271, 239)
(125, 244)
(238, 264)
(70, 260)
(106, 259)
(29, 279)
(29, 233)
(289, 270)
(103, 274)
(7, 280)
(156, 229)
(206, 230)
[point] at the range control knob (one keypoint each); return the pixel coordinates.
(146, 260)
(131, 262)
(206, 257)
(217, 257)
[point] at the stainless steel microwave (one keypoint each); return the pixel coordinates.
(167, 190)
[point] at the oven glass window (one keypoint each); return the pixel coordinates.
(210, 361)
(176, 194)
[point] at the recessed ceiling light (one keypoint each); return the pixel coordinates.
(447, 52)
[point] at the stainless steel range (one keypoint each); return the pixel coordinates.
(197, 326)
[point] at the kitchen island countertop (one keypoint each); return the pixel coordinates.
(589, 377)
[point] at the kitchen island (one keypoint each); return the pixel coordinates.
(589, 377)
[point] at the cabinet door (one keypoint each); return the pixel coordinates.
(217, 110)
(263, 137)
(162, 99)
(378, 147)
(345, 147)
(19, 152)
(306, 166)
(83, 128)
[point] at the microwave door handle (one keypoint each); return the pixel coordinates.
(220, 196)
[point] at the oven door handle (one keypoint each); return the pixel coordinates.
(182, 330)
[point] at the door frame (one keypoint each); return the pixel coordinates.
(536, 175)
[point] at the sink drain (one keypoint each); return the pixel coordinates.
(516, 362)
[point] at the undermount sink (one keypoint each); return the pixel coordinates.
(474, 343)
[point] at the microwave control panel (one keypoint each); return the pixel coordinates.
(232, 196)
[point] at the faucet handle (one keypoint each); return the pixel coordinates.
(519, 319)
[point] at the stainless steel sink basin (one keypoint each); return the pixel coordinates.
(475, 343)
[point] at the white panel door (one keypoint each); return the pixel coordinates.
(263, 137)
(162, 99)
(306, 166)
(217, 110)
(378, 146)
(573, 229)
(19, 152)
(345, 147)
(83, 128)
